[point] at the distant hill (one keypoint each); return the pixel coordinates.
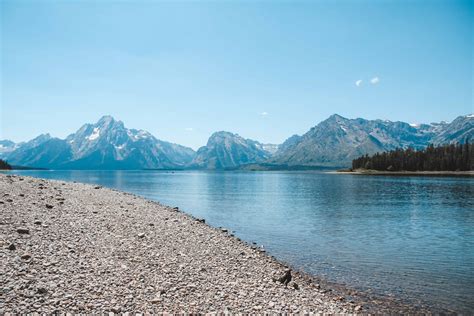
(227, 150)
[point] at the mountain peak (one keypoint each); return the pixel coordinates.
(106, 119)
(229, 150)
(336, 116)
(42, 137)
(223, 134)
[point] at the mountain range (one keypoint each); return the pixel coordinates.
(106, 144)
(334, 142)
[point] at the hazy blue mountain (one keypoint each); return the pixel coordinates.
(6, 146)
(106, 144)
(50, 153)
(228, 150)
(338, 140)
(20, 149)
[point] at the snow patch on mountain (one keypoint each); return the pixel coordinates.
(95, 134)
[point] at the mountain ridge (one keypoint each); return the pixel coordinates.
(334, 142)
(228, 150)
(107, 144)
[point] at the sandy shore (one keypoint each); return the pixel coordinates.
(70, 247)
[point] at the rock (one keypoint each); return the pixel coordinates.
(22, 230)
(11, 246)
(26, 256)
(49, 206)
(358, 308)
(37, 222)
(295, 286)
(98, 187)
(141, 235)
(224, 230)
(285, 278)
(42, 290)
(176, 209)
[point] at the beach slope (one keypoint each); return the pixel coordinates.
(71, 247)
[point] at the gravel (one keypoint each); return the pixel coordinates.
(93, 249)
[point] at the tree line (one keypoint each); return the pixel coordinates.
(451, 157)
(4, 165)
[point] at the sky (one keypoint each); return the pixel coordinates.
(263, 69)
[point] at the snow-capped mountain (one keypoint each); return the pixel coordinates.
(107, 144)
(228, 150)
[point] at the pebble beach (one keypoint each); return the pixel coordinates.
(79, 248)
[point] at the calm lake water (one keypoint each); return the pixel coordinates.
(408, 237)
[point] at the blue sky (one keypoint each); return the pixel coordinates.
(265, 70)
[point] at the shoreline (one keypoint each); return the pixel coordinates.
(86, 240)
(406, 173)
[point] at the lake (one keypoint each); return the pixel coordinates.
(411, 238)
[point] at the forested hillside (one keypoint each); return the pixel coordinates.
(450, 157)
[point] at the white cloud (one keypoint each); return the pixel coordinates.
(189, 129)
(374, 80)
(264, 113)
(358, 82)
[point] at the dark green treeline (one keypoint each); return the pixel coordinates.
(452, 157)
(4, 165)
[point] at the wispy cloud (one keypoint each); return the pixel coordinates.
(374, 80)
(189, 129)
(264, 114)
(358, 82)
